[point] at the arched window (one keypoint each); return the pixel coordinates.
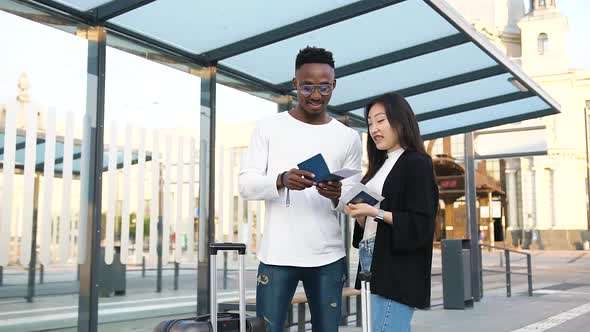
(542, 43)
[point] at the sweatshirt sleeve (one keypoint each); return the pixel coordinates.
(254, 182)
(352, 161)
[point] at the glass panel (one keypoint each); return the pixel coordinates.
(151, 154)
(42, 107)
(200, 26)
(482, 115)
(427, 68)
(237, 220)
(461, 94)
(353, 40)
(84, 4)
(249, 87)
(360, 112)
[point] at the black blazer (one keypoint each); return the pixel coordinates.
(402, 257)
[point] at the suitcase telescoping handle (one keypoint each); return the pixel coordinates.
(365, 277)
(215, 247)
(241, 249)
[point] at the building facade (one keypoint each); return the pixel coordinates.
(545, 168)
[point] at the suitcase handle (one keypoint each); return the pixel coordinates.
(241, 249)
(225, 246)
(365, 276)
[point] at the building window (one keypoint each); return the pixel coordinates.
(542, 3)
(493, 169)
(437, 148)
(458, 146)
(542, 43)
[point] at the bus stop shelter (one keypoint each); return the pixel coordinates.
(455, 79)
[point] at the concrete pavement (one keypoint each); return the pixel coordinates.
(561, 282)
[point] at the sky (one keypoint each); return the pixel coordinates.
(577, 12)
(138, 91)
(56, 65)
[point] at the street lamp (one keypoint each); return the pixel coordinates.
(586, 109)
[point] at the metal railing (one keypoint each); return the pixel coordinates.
(508, 269)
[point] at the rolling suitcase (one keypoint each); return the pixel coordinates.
(219, 322)
(365, 278)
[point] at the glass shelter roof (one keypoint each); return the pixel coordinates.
(454, 78)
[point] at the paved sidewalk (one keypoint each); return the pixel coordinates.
(561, 282)
(554, 310)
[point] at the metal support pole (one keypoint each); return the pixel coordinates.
(508, 279)
(530, 274)
(472, 224)
(33, 261)
(143, 267)
(214, 304)
(41, 274)
(206, 187)
(587, 164)
(1, 276)
(159, 252)
(89, 270)
(289, 317)
(160, 232)
(176, 272)
(480, 275)
(491, 225)
(301, 317)
(225, 270)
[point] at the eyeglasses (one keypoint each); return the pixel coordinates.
(307, 89)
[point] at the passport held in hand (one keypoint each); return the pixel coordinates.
(317, 165)
(361, 194)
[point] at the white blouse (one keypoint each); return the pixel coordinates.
(376, 185)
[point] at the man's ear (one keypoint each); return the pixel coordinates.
(334, 85)
(294, 81)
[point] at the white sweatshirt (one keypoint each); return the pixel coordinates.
(307, 233)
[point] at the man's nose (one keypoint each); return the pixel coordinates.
(315, 94)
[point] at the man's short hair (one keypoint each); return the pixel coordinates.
(314, 55)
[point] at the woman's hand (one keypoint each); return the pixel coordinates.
(360, 212)
(359, 219)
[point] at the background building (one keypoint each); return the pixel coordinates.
(543, 162)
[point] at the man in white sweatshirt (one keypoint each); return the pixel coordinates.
(302, 238)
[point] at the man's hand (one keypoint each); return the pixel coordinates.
(295, 179)
(331, 190)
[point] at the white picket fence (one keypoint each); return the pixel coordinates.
(141, 167)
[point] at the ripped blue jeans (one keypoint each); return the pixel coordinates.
(276, 286)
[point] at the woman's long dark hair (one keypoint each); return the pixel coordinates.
(402, 119)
